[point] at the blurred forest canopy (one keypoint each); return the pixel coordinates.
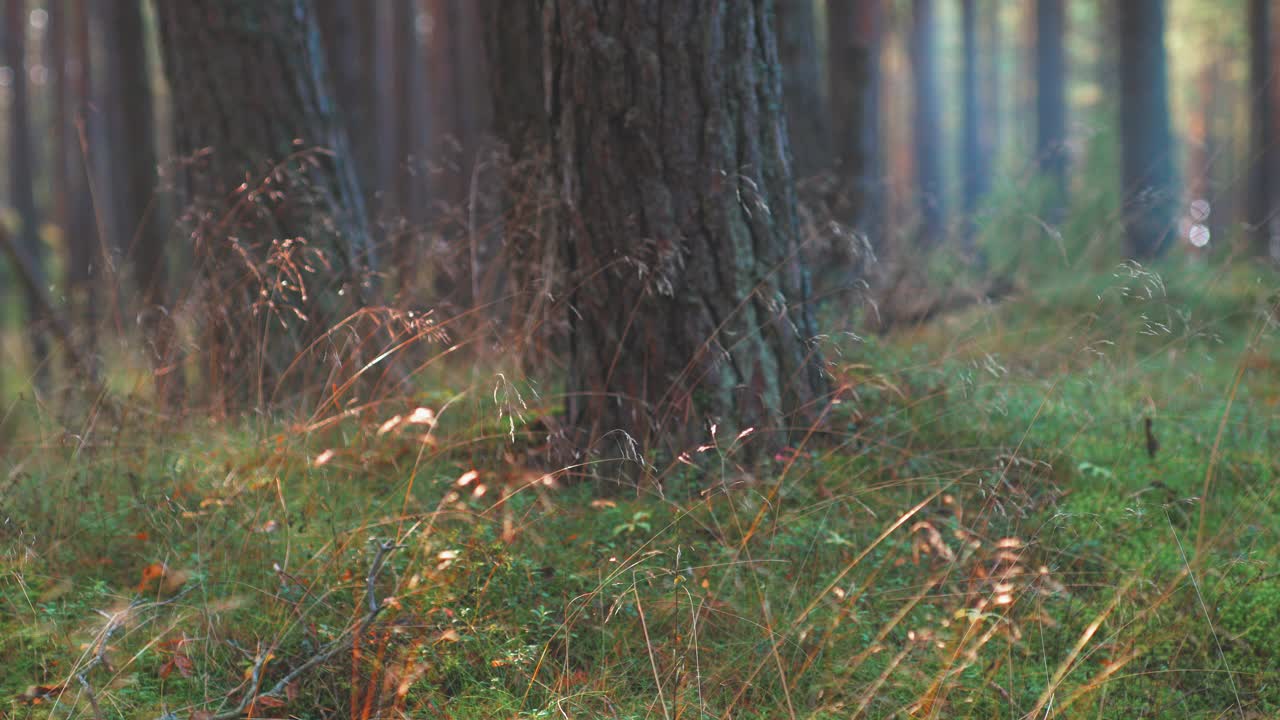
(195, 199)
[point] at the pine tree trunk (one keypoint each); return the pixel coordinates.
(515, 57)
(274, 207)
(926, 124)
(1051, 101)
(348, 28)
(802, 87)
(974, 171)
(1264, 155)
(22, 170)
(83, 256)
(853, 89)
(992, 87)
(140, 210)
(689, 308)
(1146, 139)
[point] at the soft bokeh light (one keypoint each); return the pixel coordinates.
(1198, 236)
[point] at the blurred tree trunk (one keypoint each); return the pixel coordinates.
(104, 134)
(974, 161)
(61, 127)
(395, 57)
(802, 87)
(1264, 140)
(992, 90)
(515, 57)
(139, 212)
(1201, 149)
(1146, 139)
(927, 124)
(274, 207)
(22, 169)
(1051, 101)
(387, 106)
(853, 90)
(459, 118)
(689, 307)
(83, 261)
(348, 36)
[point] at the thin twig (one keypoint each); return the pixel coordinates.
(339, 644)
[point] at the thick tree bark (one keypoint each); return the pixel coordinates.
(1146, 139)
(274, 210)
(802, 88)
(689, 307)
(1051, 99)
(974, 161)
(1264, 139)
(853, 91)
(22, 170)
(927, 124)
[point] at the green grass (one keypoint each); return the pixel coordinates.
(976, 532)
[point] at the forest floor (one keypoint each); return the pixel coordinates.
(978, 532)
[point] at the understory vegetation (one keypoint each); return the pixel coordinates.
(980, 528)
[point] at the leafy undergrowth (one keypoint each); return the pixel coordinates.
(977, 531)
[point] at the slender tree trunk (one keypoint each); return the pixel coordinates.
(83, 261)
(1146, 139)
(689, 306)
(974, 161)
(1264, 153)
(927, 124)
(853, 91)
(515, 51)
(992, 89)
(140, 211)
(1051, 100)
(347, 28)
(1201, 148)
(460, 118)
(274, 209)
(22, 169)
(61, 128)
(386, 71)
(802, 87)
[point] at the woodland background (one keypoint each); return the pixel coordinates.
(550, 358)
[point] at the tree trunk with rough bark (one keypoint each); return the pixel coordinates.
(689, 307)
(273, 205)
(1146, 139)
